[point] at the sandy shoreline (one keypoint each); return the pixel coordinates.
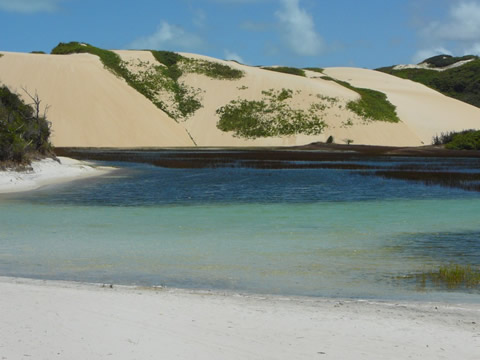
(47, 319)
(46, 172)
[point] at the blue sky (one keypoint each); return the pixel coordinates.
(362, 33)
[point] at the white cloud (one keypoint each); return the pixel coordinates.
(29, 6)
(299, 29)
(463, 24)
(170, 37)
(229, 55)
(459, 31)
(473, 50)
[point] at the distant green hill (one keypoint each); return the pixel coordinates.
(462, 83)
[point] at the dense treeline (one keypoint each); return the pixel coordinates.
(463, 140)
(24, 131)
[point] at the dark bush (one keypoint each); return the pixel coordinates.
(23, 131)
(167, 58)
(465, 140)
(440, 61)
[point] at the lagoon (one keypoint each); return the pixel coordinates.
(321, 232)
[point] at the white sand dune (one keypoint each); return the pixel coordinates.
(90, 107)
(257, 79)
(424, 111)
(48, 320)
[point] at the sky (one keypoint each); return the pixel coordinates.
(301, 33)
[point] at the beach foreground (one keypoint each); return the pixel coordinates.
(46, 320)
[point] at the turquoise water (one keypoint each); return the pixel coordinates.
(313, 232)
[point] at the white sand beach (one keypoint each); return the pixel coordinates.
(48, 171)
(60, 320)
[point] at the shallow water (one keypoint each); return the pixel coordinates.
(314, 232)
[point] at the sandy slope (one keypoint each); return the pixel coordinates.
(89, 106)
(48, 320)
(425, 111)
(219, 92)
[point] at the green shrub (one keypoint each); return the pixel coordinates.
(465, 140)
(372, 105)
(23, 131)
(167, 58)
(315, 69)
(270, 116)
(286, 70)
(37, 52)
(211, 69)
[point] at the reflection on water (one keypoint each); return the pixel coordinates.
(318, 232)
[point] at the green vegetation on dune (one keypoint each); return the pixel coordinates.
(183, 64)
(286, 70)
(461, 83)
(270, 116)
(182, 100)
(315, 69)
(211, 69)
(159, 83)
(167, 58)
(372, 106)
(24, 132)
(110, 60)
(147, 84)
